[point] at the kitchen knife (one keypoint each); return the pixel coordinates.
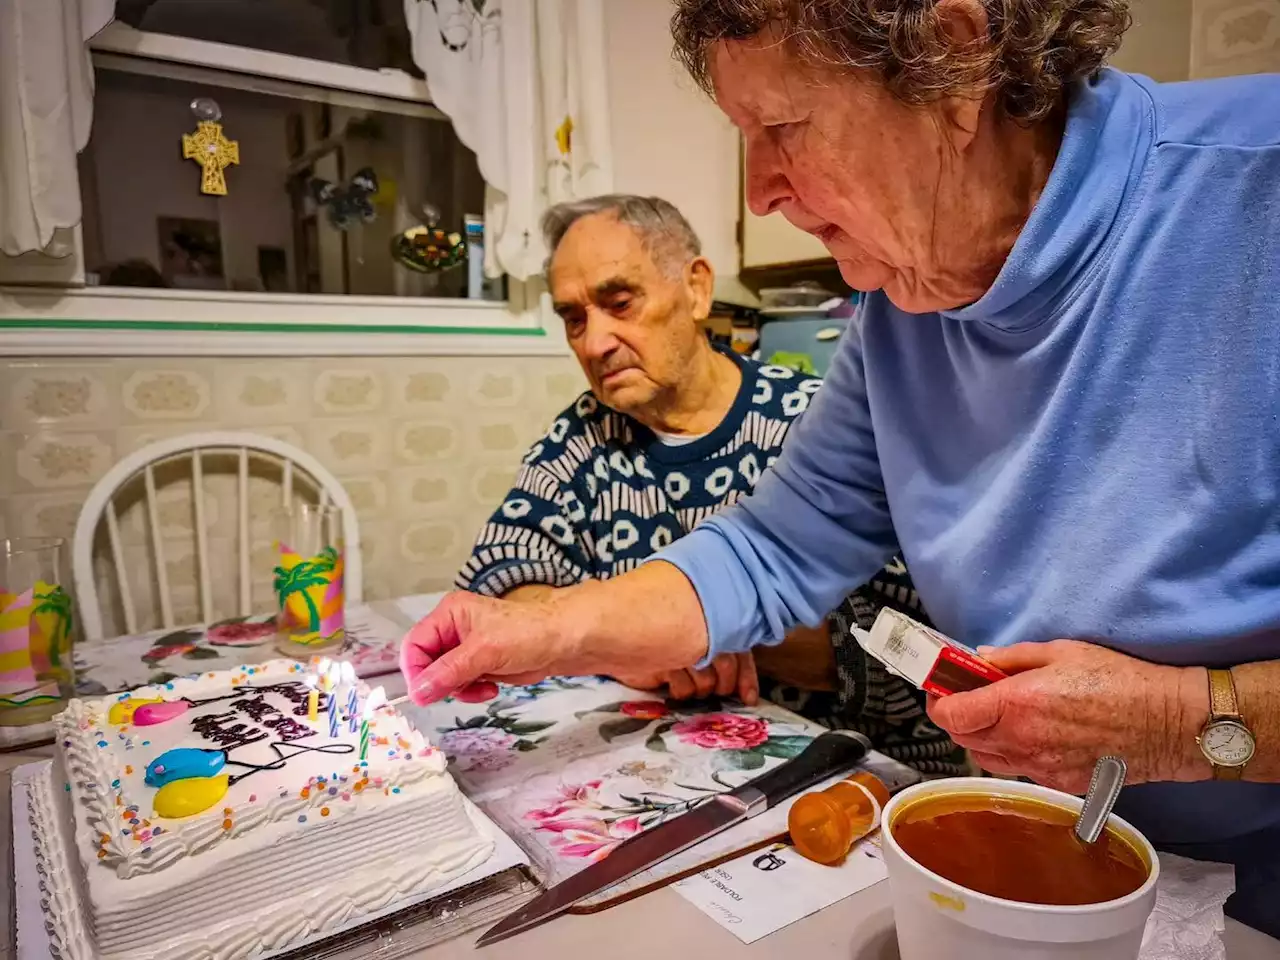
(829, 754)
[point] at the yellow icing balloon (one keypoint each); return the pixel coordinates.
(121, 711)
(186, 798)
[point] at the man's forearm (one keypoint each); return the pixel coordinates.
(1256, 686)
(805, 660)
(529, 593)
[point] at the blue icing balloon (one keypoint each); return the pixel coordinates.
(183, 763)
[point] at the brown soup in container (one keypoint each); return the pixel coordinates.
(1017, 848)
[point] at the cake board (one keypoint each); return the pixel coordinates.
(481, 896)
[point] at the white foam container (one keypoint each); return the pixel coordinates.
(940, 920)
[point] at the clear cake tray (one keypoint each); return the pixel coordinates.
(489, 892)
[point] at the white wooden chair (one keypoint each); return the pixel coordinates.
(297, 469)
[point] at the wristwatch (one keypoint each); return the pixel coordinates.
(1225, 739)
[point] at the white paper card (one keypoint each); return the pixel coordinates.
(761, 892)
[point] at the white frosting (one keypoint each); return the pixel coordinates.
(288, 866)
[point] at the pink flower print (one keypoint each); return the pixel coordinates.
(490, 762)
(171, 650)
(645, 709)
(722, 731)
(590, 838)
(475, 743)
(568, 796)
(241, 634)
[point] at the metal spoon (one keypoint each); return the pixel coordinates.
(1104, 788)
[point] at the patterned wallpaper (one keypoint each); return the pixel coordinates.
(426, 447)
(1235, 36)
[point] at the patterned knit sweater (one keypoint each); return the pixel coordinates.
(600, 493)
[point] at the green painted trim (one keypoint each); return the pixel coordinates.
(206, 326)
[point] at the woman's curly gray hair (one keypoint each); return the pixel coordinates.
(1033, 51)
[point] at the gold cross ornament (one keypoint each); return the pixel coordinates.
(209, 148)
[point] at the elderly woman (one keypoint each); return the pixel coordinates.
(1061, 402)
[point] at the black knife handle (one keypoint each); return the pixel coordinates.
(829, 754)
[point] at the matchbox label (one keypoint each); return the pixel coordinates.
(934, 663)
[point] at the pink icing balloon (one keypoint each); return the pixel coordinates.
(153, 713)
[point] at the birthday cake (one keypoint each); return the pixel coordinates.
(239, 813)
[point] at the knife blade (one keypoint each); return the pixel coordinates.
(829, 754)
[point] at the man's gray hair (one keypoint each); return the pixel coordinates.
(662, 229)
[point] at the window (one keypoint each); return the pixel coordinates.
(315, 92)
(320, 201)
(359, 33)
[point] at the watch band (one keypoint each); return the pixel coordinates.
(1224, 706)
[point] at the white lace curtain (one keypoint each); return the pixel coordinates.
(46, 107)
(524, 83)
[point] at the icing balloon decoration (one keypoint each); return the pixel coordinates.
(350, 204)
(122, 711)
(426, 247)
(153, 713)
(184, 763)
(186, 798)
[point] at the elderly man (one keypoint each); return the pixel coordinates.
(1060, 403)
(671, 432)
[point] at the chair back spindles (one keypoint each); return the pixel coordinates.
(302, 479)
(242, 500)
(202, 537)
(157, 549)
(122, 579)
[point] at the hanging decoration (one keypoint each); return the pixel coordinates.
(427, 248)
(350, 204)
(209, 148)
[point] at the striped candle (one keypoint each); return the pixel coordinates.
(353, 704)
(334, 676)
(364, 735)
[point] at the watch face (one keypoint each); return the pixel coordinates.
(1227, 743)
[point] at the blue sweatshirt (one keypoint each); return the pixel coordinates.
(1092, 450)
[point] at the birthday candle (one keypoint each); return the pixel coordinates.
(334, 676)
(364, 732)
(313, 697)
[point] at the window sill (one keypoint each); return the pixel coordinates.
(145, 322)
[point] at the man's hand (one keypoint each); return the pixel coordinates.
(729, 674)
(1068, 703)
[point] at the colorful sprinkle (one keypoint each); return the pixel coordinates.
(102, 743)
(333, 791)
(127, 770)
(253, 797)
(102, 854)
(395, 789)
(226, 811)
(115, 783)
(305, 792)
(347, 796)
(226, 824)
(324, 811)
(67, 787)
(302, 818)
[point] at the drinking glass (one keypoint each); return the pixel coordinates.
(308, 580)
(37, 677)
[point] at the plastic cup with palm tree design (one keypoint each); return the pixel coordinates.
(308, 580)
(37, 677)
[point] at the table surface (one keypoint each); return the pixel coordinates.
(661, 923)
